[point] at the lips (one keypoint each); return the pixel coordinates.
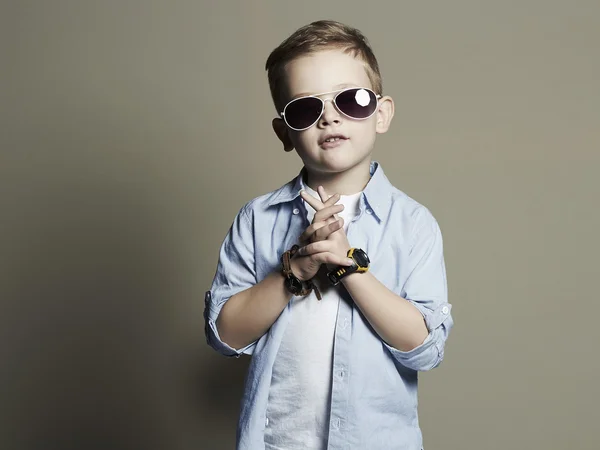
(331, 139)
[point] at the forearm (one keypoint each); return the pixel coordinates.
(248, 315)
(395, 319)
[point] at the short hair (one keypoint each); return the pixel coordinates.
(316, 36)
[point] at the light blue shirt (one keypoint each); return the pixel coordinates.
(374, 385)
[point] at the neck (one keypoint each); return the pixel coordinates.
(348, 182)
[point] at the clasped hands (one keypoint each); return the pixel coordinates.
(324, 241)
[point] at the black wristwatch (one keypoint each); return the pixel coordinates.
(292, 283)
(361, 264)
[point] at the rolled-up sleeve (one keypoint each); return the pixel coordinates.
(235, 273)
(426, 288)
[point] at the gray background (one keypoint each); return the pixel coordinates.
(133, 131)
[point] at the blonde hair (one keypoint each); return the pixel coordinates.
(312, 38)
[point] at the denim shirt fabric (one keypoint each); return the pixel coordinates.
(374, 385)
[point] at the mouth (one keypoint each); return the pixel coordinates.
(330, 139)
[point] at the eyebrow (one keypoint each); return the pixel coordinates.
(336, 87)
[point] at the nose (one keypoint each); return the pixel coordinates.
(330, 114)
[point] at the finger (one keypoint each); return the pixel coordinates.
(317, 247)
(330, 258)
(323, 233)
(313, 248)
(328, 212)
(312, 201)
(310, 230)
(332, 200)
(316, 204)
(323, 194)
(319, 231)
(325, 197)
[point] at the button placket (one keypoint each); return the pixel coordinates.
(340, 387)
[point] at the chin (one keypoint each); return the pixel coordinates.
(333, 160)
(334, 167)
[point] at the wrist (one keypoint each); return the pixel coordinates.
(295, 285)
(294, 269)
(349, 279)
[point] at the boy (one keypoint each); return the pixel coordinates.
(335, 283)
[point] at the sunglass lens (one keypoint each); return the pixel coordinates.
(357, 103)
(303, 112)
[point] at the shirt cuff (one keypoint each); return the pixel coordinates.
(424, 357)
(430, 353)
(212, 334)
(222, 347)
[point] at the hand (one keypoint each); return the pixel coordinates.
(305, 266)
(325, 220)
(326, 225)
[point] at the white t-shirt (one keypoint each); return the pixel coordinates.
(300, 393)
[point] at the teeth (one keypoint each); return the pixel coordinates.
(333, 139)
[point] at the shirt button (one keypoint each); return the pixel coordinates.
(296, 211)
(445, 310)
(267, 421)
(369, 211)
(341, 373)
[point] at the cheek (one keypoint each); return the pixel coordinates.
(302, 139)
(365, 132)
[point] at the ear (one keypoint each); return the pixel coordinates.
(282, 132)
(385, 113)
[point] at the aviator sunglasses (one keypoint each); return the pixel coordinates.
(355, 103)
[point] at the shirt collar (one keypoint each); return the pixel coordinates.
(377, 193)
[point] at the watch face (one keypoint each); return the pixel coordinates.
(294, 285)
(361, 258)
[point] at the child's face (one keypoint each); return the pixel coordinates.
(327, 71)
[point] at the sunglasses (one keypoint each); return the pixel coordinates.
(355, 103)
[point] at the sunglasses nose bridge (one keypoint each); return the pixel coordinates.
(329, 114)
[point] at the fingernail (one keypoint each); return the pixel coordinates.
(350, 261)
